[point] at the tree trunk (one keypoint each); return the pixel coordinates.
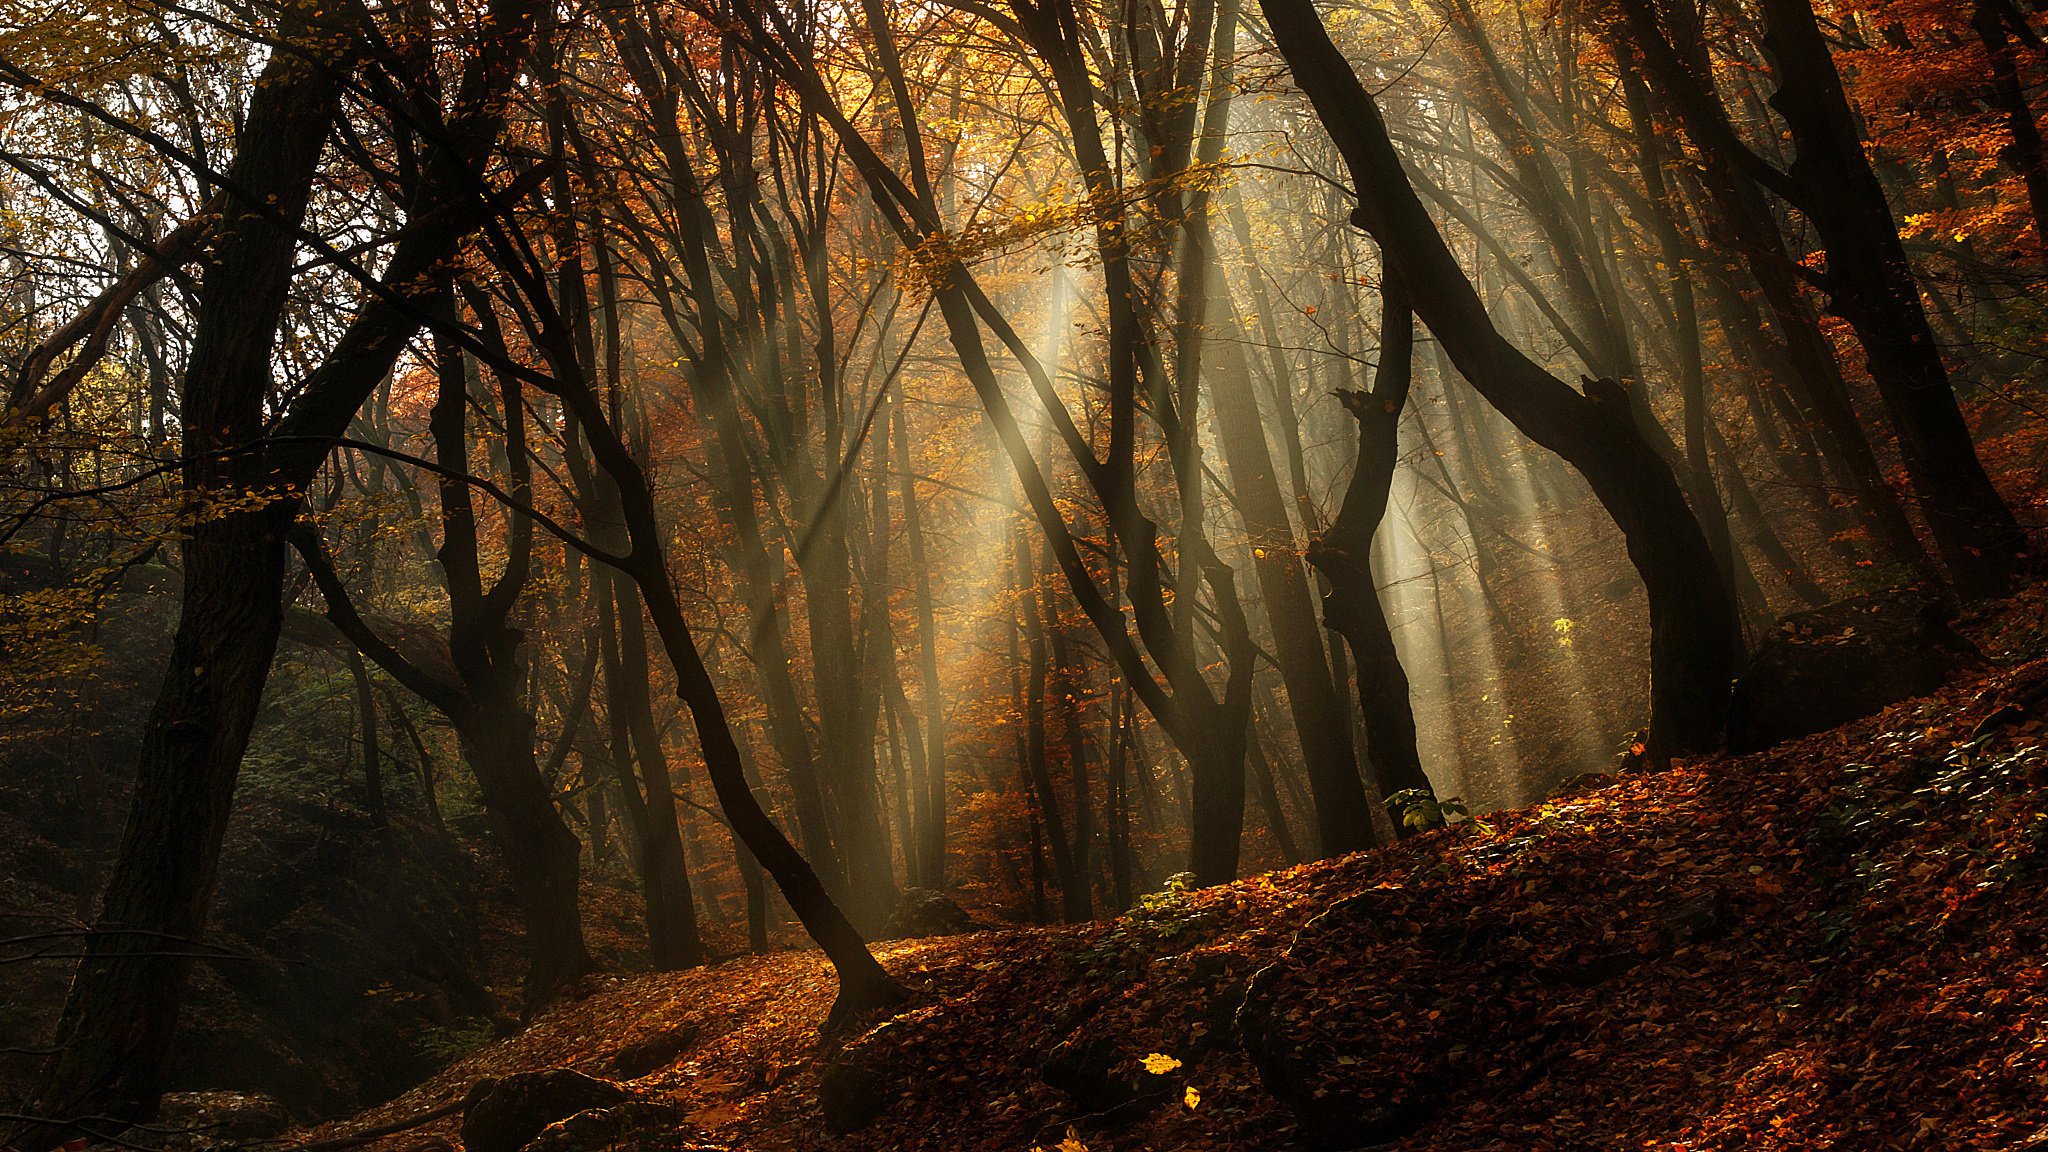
(1074, 902)
(1998, 23)
(1343, 554)
(542, 856)
(673, 939)
(1694, 628)
(366, 725)
(114, 1037)
(931, 806)
(1874, 288)
(1321, 720)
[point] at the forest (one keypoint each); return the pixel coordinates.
(708, 575)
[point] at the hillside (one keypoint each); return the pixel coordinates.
(1837, 943)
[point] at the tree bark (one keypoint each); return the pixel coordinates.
(1694, 628)
(1322, 719)
(114, 1036)
(1873, 286)
(1343, 554)
(1998, 23)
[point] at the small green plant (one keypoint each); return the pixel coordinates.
(1171, 895)
(1422, 810)
(1154, 919)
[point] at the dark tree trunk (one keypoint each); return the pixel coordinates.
(1343, 554)
(486, 706)
(672, 933)
(1694, 628)
(863, 984)
(1321, 719)
(116, 1027)
(1998, 24)
(541, 854)
(1873, 286)
(114, 1037)
(1692, 378)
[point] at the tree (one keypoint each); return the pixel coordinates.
(1694, 635)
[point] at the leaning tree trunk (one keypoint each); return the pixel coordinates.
(1875, 289)
(1997, 22)
(114, 1037)
(1343, 812)
(1343, 554)
(1695, 632)
(863, 983)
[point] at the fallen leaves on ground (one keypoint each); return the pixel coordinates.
(1837, 944)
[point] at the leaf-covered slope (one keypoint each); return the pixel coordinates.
(1835, 944)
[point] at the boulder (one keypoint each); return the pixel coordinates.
(635, 1126)
(1315, 1047)
(1100, 1074)
(504, 1115)
(1844, 661)
(851, 1093)
(653, 1052)
(925, 912)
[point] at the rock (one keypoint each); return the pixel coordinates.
(1099, 1074)
(1340, 1091)
(211, 1119)
(635, 1126)
(924, 912)
(850, 1093)
(505, 1115)
(1843, 661)
(653, 1052)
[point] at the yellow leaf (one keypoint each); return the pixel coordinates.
(1159, 1063)
(1072, 1143)
(1193, 1098)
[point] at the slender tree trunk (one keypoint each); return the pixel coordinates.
(1264, 785)
(673, 937)
(1074, 903)
(1794, 571)
(423, 760)
(1343, 554)
(932, 804)
(366, 724)
(1321, 719)
(1120, 865)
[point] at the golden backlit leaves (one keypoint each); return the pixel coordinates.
(922, 268)
(1159, 1063)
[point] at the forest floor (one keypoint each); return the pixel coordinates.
(1838, 943)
